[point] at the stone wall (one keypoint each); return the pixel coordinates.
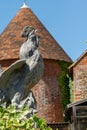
(80, 79)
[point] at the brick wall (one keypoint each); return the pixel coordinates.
(80, 79)
(47, 93)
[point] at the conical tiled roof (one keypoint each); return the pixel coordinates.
(10, 40)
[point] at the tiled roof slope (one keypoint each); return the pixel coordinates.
(10, 40)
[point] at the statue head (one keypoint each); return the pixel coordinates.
(28, 31)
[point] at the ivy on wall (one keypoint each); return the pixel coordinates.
(64, 83)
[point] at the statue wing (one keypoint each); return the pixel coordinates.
(4, 78)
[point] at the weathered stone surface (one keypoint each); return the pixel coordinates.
(17, 81)
(80, 79)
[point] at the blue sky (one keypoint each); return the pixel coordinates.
(66, 20)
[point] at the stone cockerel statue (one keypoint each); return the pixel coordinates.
(16, 82)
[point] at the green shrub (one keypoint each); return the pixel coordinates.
(15, 119)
